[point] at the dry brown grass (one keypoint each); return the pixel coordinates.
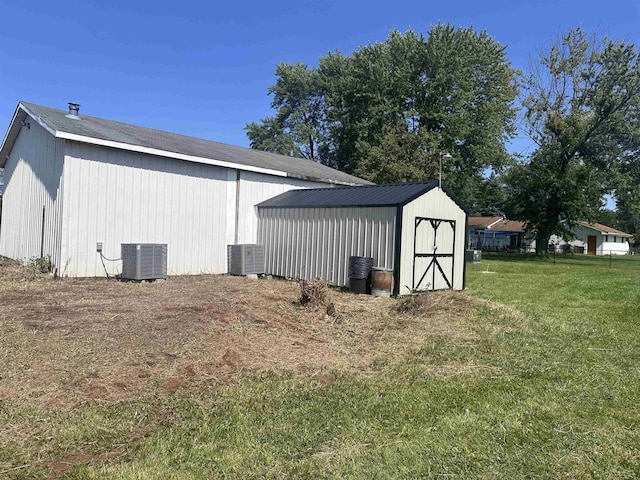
(70, 341)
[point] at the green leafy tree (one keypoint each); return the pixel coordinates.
(579, 107)
(269, 135)
(415, 157)
(545, 193)
(453, 89)
(611, 218)
(296, 129)
(491, 197)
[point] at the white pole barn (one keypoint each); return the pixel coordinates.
(73, 181)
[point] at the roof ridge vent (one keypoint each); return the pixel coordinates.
(74, 111)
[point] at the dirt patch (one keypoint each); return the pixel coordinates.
(71, 341)
(61, 466)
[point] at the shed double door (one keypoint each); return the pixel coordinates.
(433, 253)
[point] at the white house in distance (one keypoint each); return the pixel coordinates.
(72, 181)
(596, 239)
(497, 233)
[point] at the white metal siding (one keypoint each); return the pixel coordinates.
(317, 242)
(113, 196)
(256, 188)
(433, 204)
(33, 181)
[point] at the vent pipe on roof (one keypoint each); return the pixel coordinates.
(74, 110)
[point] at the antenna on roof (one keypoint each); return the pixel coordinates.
(74, 111)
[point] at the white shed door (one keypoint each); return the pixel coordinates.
(433, 253)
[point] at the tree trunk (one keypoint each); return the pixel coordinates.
(542, 243)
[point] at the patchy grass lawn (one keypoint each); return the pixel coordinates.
(222, 377)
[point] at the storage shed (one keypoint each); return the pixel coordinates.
(74, 181)
(418, 230)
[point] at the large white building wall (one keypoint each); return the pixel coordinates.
(32, 178)
(113, 196)
(254, 188)
(433, 204)
(307, 243)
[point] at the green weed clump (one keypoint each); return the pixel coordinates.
(38, 266)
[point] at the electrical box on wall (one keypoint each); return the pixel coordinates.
(144, 261)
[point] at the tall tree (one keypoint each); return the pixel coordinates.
(296, 129)
(403, 155)
(579, 107)
(453, 90)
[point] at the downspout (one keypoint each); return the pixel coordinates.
(237, 220)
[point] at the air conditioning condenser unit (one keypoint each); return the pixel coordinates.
(144, 261)
(245, 259)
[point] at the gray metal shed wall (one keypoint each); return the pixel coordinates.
(307, 243)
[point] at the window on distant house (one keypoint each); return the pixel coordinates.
(606, 238)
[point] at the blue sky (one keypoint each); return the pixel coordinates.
(203, 68)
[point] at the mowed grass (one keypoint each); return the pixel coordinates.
(547, 387)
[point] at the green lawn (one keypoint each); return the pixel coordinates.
(547, 387)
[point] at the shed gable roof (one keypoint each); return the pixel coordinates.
(396, 194)
(131, 137)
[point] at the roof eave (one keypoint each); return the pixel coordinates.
(166, 153)
(12, 134)
(330, 181)
(22, 111)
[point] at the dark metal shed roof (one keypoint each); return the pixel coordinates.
(396, 194)
(125, 134)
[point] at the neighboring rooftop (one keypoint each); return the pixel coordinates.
(502, 224)
(483, 222)
(84, 128)
(604, 229)
(495, 223)
(396, 194)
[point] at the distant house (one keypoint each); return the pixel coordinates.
(594, 239)
(498, 234)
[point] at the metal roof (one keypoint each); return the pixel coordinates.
(131, 137)
(396, 194)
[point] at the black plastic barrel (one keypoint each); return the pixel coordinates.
(360, 274)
